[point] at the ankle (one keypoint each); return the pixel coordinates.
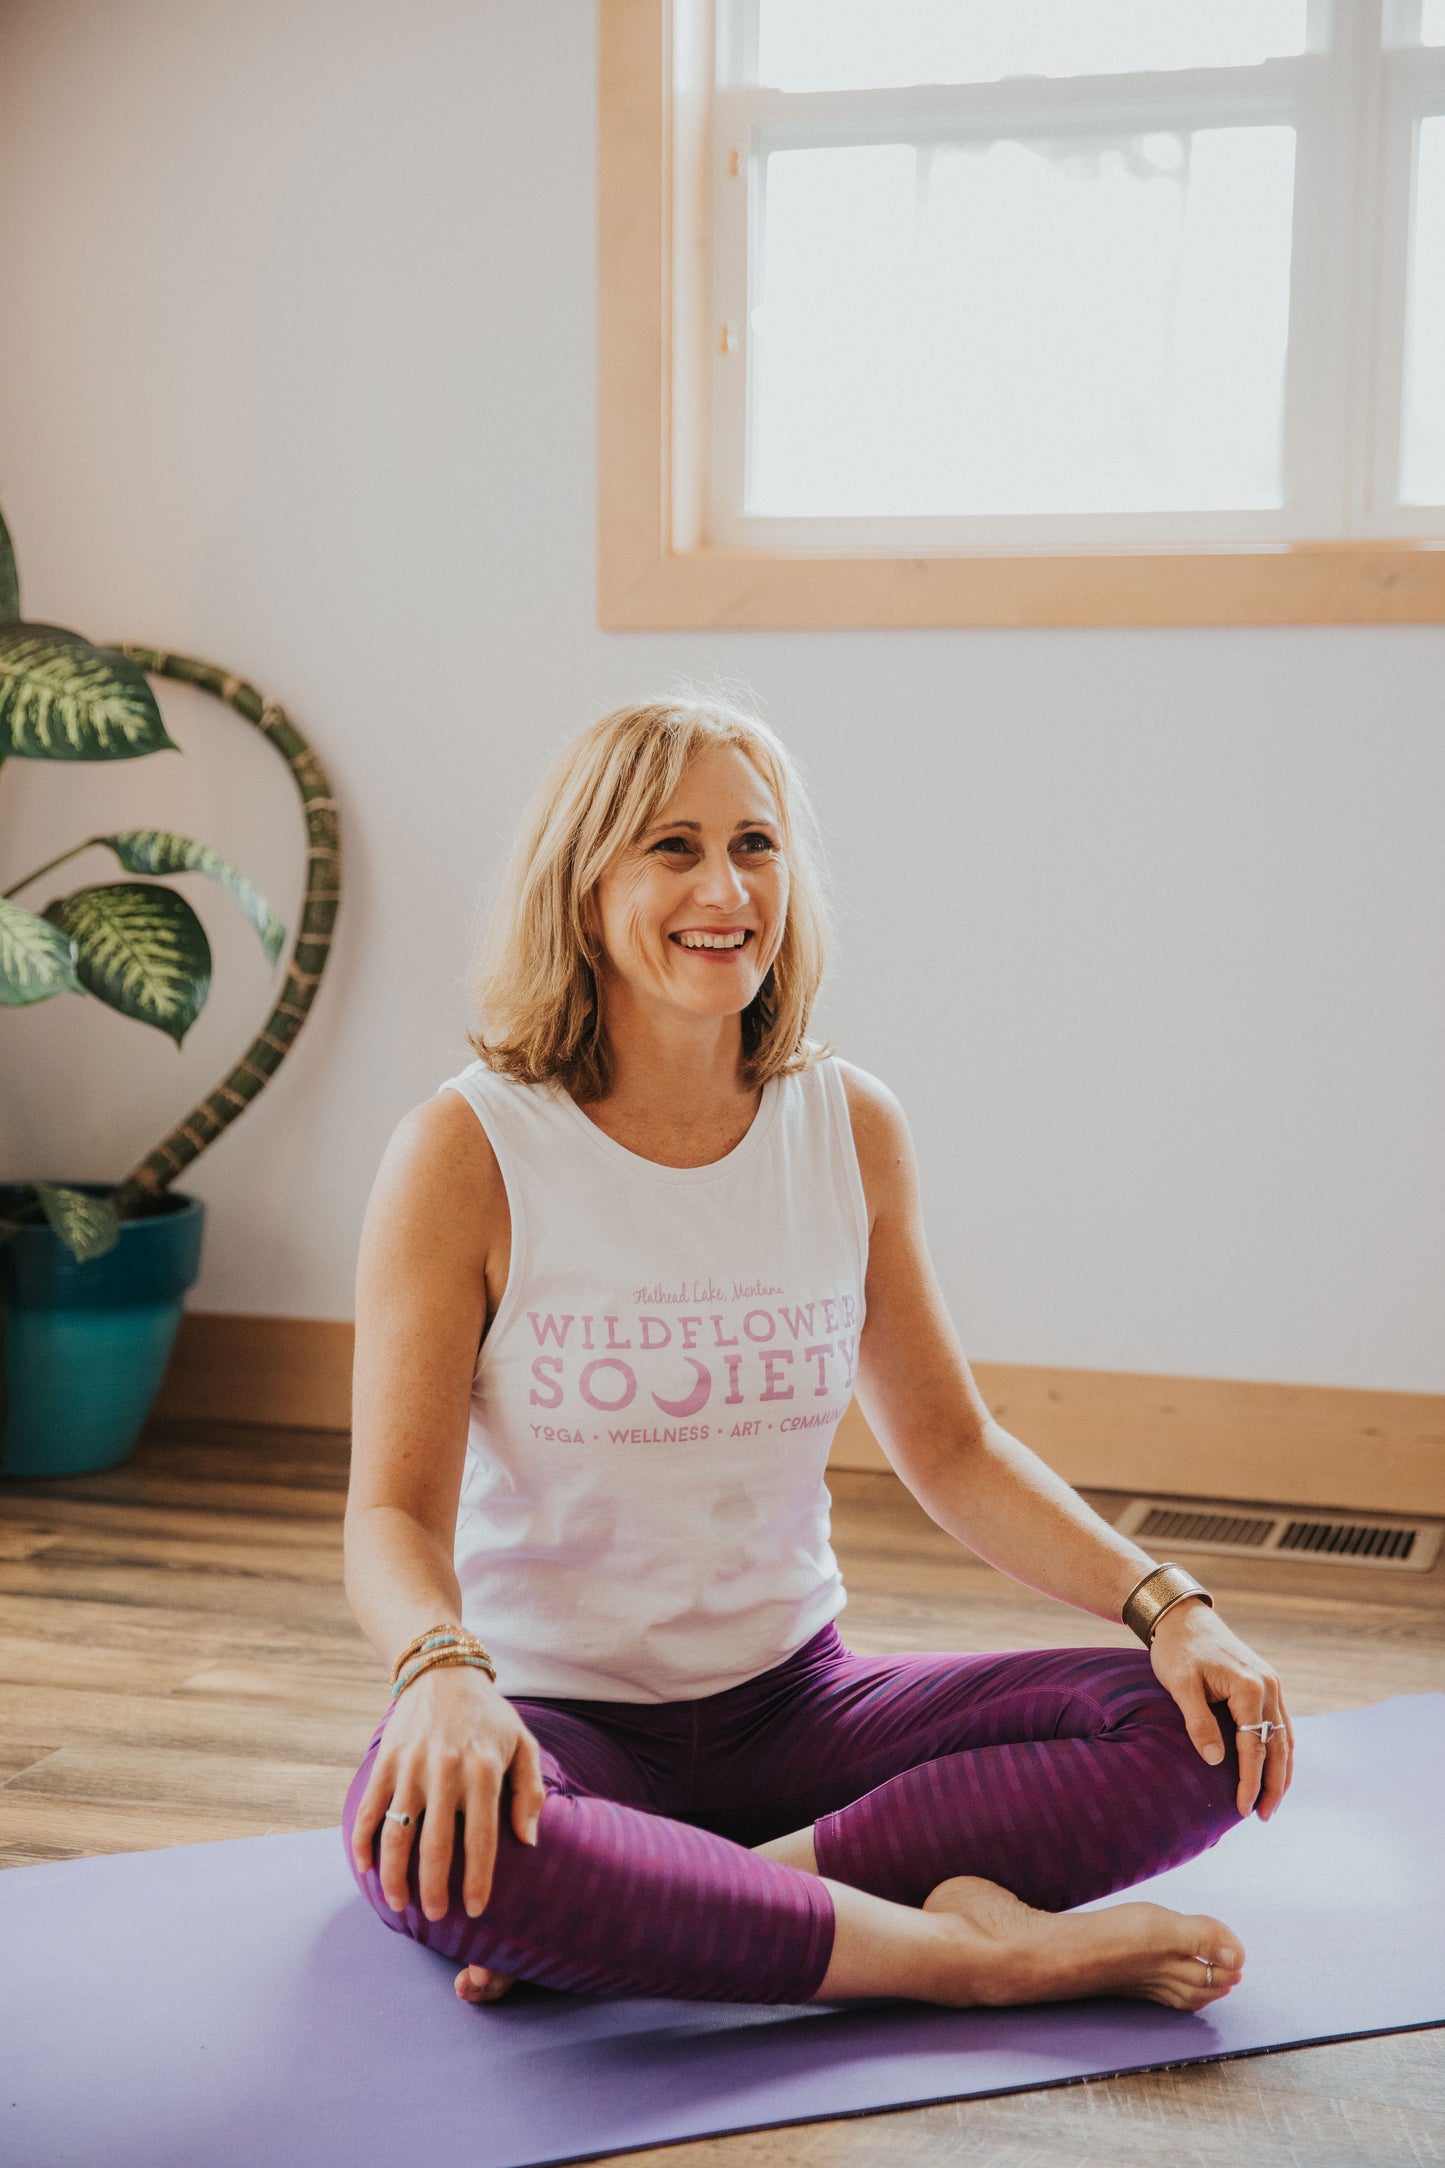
(960, 1965)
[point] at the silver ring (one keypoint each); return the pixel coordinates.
(403, 1821)
(1208, 1964)
(1266, 1730)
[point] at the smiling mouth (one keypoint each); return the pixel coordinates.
(726, 943)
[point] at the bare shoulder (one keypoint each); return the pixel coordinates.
(877, 1117)
(880, 1137)
(443, 1139)
(439, 1174)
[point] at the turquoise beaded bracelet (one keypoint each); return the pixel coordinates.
(449, 1653)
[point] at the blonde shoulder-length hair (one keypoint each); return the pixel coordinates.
(537, 990)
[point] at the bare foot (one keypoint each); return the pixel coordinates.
(474, 1983)
(1009, 1953)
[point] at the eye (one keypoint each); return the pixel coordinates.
(755, 842)
(672, 843)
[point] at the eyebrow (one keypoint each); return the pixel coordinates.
(754, 820)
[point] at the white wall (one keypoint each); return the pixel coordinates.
(296, 361)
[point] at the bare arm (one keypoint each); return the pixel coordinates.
(421, 1309)
(433, 1257)
(992, 1491)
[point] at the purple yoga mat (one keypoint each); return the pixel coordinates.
(221, 2005)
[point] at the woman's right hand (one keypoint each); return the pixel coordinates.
(448, 1744)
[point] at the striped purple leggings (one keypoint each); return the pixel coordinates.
(1062, 1774)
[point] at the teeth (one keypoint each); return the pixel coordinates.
(712, 940)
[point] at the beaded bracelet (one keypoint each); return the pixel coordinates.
(436, 1637)
(440, 1652)
(436, 1642)
(441, 1659)
(444, 1643)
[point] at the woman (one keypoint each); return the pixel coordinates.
(618, 1281)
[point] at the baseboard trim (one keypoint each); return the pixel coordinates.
(1309, 1445)
(293, 1372)
(1312, 1445)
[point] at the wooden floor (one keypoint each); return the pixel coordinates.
(177, 1663)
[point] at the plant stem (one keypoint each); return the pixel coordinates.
(27, 878)
(144, 1185)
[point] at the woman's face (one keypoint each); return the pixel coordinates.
(692, 913)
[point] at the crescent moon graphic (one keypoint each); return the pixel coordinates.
(696, 1399)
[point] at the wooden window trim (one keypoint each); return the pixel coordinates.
(652, 575)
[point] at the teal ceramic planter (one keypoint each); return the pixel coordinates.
(83, 1348)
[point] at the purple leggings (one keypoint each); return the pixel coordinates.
(1062, 1774)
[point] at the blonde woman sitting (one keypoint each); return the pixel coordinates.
(619, 1279)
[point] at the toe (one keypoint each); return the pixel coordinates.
(1208, 1979)
(1224, 1955)
(1210, 1942)
(478, 1983)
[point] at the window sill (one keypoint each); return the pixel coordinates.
(1371, 583)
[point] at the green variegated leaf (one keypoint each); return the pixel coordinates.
(88, 1226)
(36, 958)
(63, 699)
(155, 850)
(9, 578)
(141, 949)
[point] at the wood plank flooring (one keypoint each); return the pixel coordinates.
(178, 1663)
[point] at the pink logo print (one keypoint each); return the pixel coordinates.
(696, 1399)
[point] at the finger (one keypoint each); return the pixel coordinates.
(368, 1814)
(479, 1842)
(438, 1836)
(1200, 1723)
(1246, 1706)
(375, 1799)
(528, 1793)
(1289, 1742)
(397, 1838)
(1278, 1760)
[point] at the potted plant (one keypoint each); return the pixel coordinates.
(93, 1274)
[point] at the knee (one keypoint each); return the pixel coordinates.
(511, 1898)
(1197, 1791)
(1134, 1706)
(1156, 1710)
(1134, 1700)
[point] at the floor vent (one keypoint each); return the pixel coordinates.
(1263, 1532)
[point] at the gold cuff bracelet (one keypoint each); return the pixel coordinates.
(1159, 1590)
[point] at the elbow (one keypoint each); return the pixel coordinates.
(935, 1459)
(358, 1551)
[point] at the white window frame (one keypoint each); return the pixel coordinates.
(1412, 90)
(1355, 98)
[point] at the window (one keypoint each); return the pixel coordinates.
(1023, 311)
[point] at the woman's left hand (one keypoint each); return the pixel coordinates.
(1197, 1658)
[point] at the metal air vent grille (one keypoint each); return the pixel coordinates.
(1345, 1539)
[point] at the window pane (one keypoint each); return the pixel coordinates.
(1432, 22)
(855, 44)
(1013, 327)
(1422, 445)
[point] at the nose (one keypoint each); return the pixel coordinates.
(720, 883)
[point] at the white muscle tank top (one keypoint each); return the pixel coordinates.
(643, 1511)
